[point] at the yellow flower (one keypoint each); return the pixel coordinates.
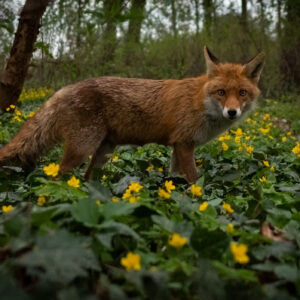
(284, 138)
(98, 202)
(237, 139)
(203, 206)
(272, 169)
(134, 199)
(51, 170)
(160, 170)
(177, 241)
(134, 187)
(169, 186)
(74, 182)
(266, 117)
(238, 132)
(264, 130)
(228, 207)
(150, 168)
(163, 194)
(248, 137)
(289, 133)
(41, 200)
(196, 190)
(249, 149)
(7, 208)
(104, 177)
(230, 228)
(115, 158)
(270, 137)
(31, 114)
(263, 179)
(132, 261)
(239, 253)
(114, 199)
(296, 149)
(266, 163)
(225, 147)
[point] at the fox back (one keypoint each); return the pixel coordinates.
(93, 116)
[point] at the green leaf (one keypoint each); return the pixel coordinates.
(98, 192)
(86, 211)
(114, 209)
(111, 228)
(238, 274)
(59, 257)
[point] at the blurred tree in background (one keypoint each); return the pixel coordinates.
(158, 39)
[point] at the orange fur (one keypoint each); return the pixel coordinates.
(95, 115)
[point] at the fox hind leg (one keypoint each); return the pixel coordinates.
(77, 149)
(99, 157)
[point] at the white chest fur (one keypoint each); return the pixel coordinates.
(210, 129)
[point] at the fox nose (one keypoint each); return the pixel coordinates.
(232, 113)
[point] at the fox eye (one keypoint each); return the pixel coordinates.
(243, 92)
(221, 92)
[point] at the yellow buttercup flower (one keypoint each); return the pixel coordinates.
(203, 206)
(230, 228)
(238, 132)
(150, 168)
(266, 163)
(169, 186)
(196, 190)
(135, 187)
(163, 194)
(74, 182)
(296, 149)
(41, 200)
(98, 202)
(130, 192)
(228, 207)
(264, 130)
(7, 208)
(160, 170)
(225, 147)
(31, 114)
(134, 199)
(249, 149)
(263, 179)
(132, 261)
(51, 170)
(272, 169)
(284, 138)
(177, 241)
(239, 252)
(115, 158)
(114, 199)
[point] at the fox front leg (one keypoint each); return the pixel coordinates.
(183, 161)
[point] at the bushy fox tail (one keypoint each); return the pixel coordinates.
(36, 135)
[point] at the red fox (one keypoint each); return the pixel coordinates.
(95, 115)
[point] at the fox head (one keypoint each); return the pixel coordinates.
(231, 89)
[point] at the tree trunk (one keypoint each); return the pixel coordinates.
(135, 23)
(208, 10)
(174, 19)
(132, 38)
(13, 77)
(290, 45)
(112, 10)
(197, 16)
(244, 15)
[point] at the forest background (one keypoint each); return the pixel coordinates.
(157, 39)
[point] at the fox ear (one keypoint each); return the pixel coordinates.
(210, 60)
(254, 67)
